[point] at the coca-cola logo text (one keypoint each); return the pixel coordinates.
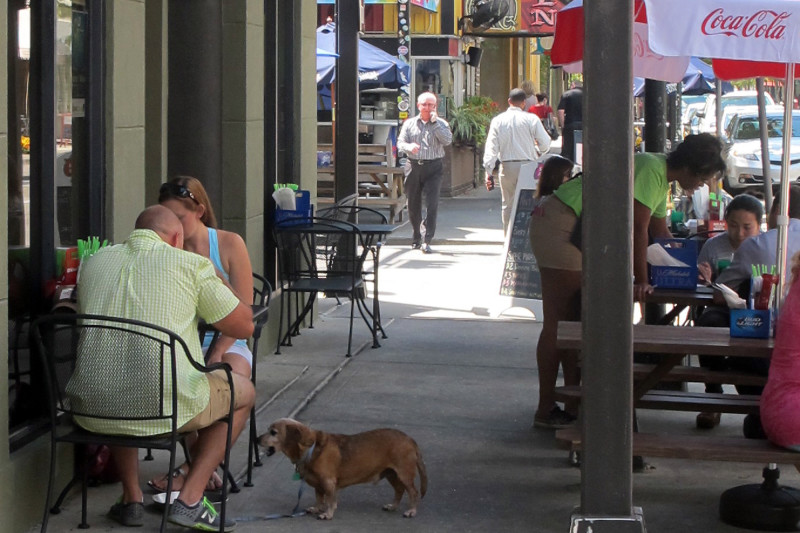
(764, 24)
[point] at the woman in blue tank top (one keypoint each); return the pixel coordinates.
(187, 198)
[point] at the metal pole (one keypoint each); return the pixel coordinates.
(347, 99)
(762, 126)
(606, 485)
(783, 218)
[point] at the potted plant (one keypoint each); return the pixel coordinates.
(470, 124)
(470, 121)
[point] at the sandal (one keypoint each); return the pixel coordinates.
(160, 484)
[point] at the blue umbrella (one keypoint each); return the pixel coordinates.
(376, 68)
(698, 79)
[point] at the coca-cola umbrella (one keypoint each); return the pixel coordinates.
(745, 38)
(567, 51)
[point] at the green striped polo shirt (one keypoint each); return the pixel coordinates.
(146, 279)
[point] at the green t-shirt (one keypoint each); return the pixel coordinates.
(571, 193)
(650, 185)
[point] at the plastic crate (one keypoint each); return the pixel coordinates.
(670, 277)
(303, 210)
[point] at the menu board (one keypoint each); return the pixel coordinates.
(520, 279)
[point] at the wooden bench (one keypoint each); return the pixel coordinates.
(696, 374)
(699, 447)
(669, 400)
(380, 181)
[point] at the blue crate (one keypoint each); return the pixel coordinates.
(668, 277)
(753, 323)
(302, 212)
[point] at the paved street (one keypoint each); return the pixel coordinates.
(460, 378)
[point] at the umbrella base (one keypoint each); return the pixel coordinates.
(766, 507)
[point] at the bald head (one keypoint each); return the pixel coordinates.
(164, 222)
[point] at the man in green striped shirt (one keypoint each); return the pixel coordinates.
(150, 278)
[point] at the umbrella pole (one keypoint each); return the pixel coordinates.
(783, 219)
(764, 134)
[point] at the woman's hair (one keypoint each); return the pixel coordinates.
(528, 87)
(541, 97)
(701, 154)
(195, 194)
(554, 170)
(745, 202)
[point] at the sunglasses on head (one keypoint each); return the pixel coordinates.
(177, 190)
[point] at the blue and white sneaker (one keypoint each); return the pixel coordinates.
(202, 516)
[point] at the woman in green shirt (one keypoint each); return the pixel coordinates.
(697, 160)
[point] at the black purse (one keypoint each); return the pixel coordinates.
(550, 128)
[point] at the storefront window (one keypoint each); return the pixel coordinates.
(67, 184)
(439, 76)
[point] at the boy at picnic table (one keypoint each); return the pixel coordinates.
(755, 254)
(743, 219)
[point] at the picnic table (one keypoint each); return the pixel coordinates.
(675, 343)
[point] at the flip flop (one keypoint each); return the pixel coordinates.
(160, 484)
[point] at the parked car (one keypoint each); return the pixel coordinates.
(731, 111)
(708, 122)
(743, 146)
(690, 106)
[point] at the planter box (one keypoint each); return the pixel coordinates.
(460, 163)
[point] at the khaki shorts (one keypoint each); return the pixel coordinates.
(219, 401)
(551, 226)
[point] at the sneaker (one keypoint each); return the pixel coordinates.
(426, 249)
(556, 419)
(707, 420)
(415, 246)
(202, 516)
(127, 514)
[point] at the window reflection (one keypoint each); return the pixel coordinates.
(69, 179)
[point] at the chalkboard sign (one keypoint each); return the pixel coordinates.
(521, 280)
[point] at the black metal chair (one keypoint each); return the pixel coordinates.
(365, 215)
(317, 255)
(145, 387)
(262, 295)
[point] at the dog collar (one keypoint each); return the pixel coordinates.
(306, 457)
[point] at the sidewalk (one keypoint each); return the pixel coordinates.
(461, 380)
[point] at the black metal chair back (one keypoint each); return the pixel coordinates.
(262, 295)
(127, 401)
(318, 256)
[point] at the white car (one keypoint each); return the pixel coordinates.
(708, 122)
(743, 145)
(732, 110)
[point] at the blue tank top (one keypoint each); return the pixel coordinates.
(213, 254)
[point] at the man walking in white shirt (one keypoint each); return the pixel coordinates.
(515, 137)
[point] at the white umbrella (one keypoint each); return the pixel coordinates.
(759, 33)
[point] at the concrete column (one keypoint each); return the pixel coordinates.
(194, 127)
(125, 115)
(606, 485)
(241, 182)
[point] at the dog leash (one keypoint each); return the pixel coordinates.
(296, 511)
(294, 514)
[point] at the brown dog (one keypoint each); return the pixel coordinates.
(329, 462)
